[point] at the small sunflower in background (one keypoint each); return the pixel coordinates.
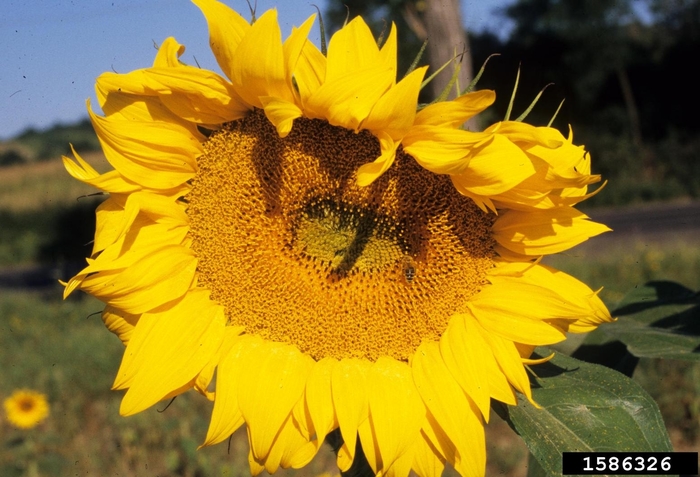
(26, 408)
(344, 261)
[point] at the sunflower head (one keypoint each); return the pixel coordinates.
(342, 260)
(26, 408)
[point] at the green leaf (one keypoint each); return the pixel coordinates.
(659, 320)
(534, 469)
(585, 407)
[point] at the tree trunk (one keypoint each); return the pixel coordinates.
(631, 106)
(446, 37)
(440, 22)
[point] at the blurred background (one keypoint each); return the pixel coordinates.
(622, 67)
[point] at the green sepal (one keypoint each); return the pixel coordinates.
(512, 96)
(322, 27)
(432, 76)
(476, 79)
(417, 59)
(532, 105)
(549, 124)
(446, 90)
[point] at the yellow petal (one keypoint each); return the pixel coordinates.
(226, 30)
(510, 363)
(281, 113)
(144, 238)
(484, 203)
(402, 465)
(111, 181)
(195, 94)
(175, 345)
(226, 416)
(396, 410)
(528, 135)
(256, 468)
(138, 149)
(499, 388)
(370, 447)
(120, 106)
(259, 64)
(153, 280)
(453, 114)
(469, 361)
(494, 168)
(310, 71)
(396, 109)
(109, 219)
(157, 207)
(293, 48)
(529, 315)
(347, 100)
(353, 49)
(575, 292)
(168, 53)
(525, 199)
(349, 382)
(438, 439)
(356, 76)
(300, 456)
(302, 418)
(455, 413)
(273, 378)
(550, 187)
(134, 83)
(526, 350)
(319, 398)
(389, 51)
(427, 462)
(120, 323)
(205, 377)
(441, 150)
(543, 232)
(290, 449)
(368, 173)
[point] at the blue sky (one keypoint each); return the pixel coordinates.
(54, 50)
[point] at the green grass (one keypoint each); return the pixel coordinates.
(56, 348)
(59, 349)
(620, 265)
(53, 235)
(30, 187)
(42, 213)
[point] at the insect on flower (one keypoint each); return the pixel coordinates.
(409, 269)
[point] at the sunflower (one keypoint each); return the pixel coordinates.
(26, 408)
(341, 259)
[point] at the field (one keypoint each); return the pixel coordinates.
(61, 348)
(39, 185)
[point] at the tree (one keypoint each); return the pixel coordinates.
(596, 39)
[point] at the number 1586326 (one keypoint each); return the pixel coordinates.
(629, 463)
